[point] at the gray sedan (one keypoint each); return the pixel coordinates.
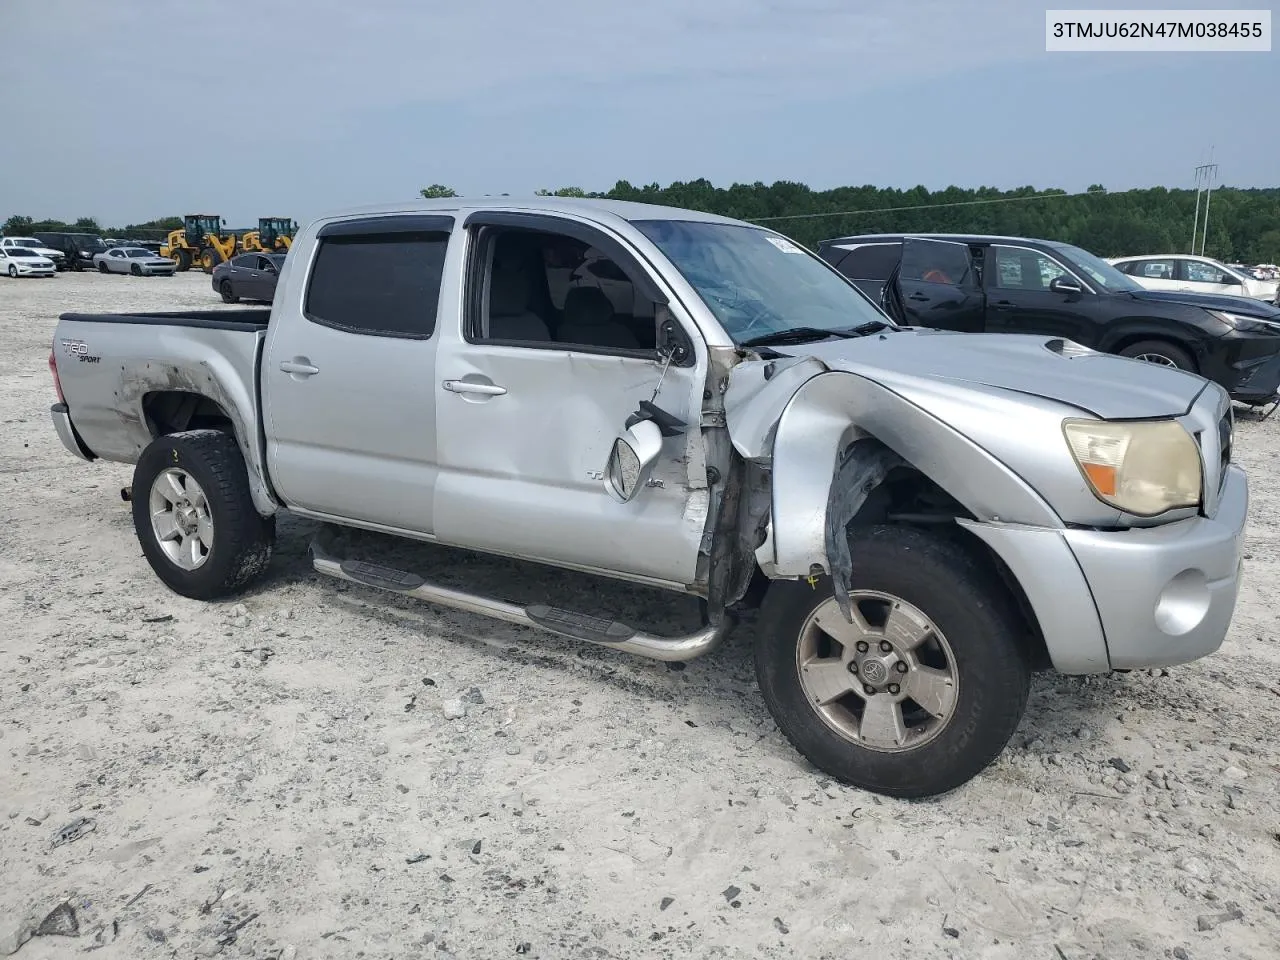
(135, 260)
(250, 276)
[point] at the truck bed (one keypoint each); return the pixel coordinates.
(246, 319)
(127, 377)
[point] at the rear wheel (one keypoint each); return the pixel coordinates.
(921, 691)
(194, 515)
(1160, 352)
(227, 295)
(102, 267)
(183, 258)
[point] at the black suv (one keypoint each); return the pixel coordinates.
(1014, 285)
(79, 247)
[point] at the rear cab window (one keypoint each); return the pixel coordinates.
(379, 277)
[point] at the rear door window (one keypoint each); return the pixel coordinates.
(381, 284)
(936, 261)
(871, 261)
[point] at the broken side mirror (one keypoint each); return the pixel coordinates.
(633, 455)
(672, 340)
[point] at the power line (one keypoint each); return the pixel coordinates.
(922, 206)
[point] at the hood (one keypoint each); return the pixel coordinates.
(1109, 387)
(1245, 306)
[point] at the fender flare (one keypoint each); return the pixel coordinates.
(831, 411)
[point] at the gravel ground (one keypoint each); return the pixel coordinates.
(289, 775)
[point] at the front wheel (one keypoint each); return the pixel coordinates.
(102, 268)
(1160, 353)
(13, 272)
(917, 695)
(135, 270)
(194, 515)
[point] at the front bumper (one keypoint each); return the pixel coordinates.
(36, 271)
(1123, 599)
(67, 432)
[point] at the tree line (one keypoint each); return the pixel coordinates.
(1244, 224)
(151, 230)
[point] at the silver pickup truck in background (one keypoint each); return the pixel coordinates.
(924, 518)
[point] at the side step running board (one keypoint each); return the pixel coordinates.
(564, 623)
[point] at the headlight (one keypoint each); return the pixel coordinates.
(1141, 467)
(1245, 324)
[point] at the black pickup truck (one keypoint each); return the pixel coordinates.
(994, 284)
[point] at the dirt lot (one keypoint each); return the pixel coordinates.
(277, 777)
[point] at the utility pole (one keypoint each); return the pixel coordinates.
(1206, 174)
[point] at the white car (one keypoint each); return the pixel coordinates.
(21, 262)
(135, 260)
(1181, 271)
(35, 246)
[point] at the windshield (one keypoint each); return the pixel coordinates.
(87, 241)
(20, 252)
(757, 282)
(137, 252)
(1100, 272)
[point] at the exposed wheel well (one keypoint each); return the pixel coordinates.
(173, 411)
(910, 498)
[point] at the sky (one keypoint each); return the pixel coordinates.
(126, 110)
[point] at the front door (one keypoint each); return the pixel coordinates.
(530, 396)
(938, 287)
(1200, 277)
(347, 375)
(1019, 298)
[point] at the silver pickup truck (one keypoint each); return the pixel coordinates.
(694, 403)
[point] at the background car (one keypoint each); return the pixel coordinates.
(1180, 271)
(250, 276)
(35, 246)
(986, 284)
(134, 260)
(78, 248)
(20, 262)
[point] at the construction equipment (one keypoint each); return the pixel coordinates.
(274, 235)
(201, 241)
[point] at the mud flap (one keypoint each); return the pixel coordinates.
(862, 469)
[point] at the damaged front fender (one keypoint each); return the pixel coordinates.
(804, 427)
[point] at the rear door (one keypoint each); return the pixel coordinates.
(1019, 299)
(938, 286)
(348, 373)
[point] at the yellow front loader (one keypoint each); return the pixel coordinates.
(199, 241)
(274, 235)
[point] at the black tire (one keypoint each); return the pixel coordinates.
(986, 636)
(102, 267)
(224, 289)
(135, 270)
(13, 272)
(242, 539)
(1170, 354)
(183, 257)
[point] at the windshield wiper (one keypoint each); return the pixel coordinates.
(795, 335)
(810, 334)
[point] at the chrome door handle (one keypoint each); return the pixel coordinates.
(298, 367)
(466, 386)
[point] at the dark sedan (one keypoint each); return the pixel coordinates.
(250, 276)
(1016, 285)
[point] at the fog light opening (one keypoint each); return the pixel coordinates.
(1183, 603)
